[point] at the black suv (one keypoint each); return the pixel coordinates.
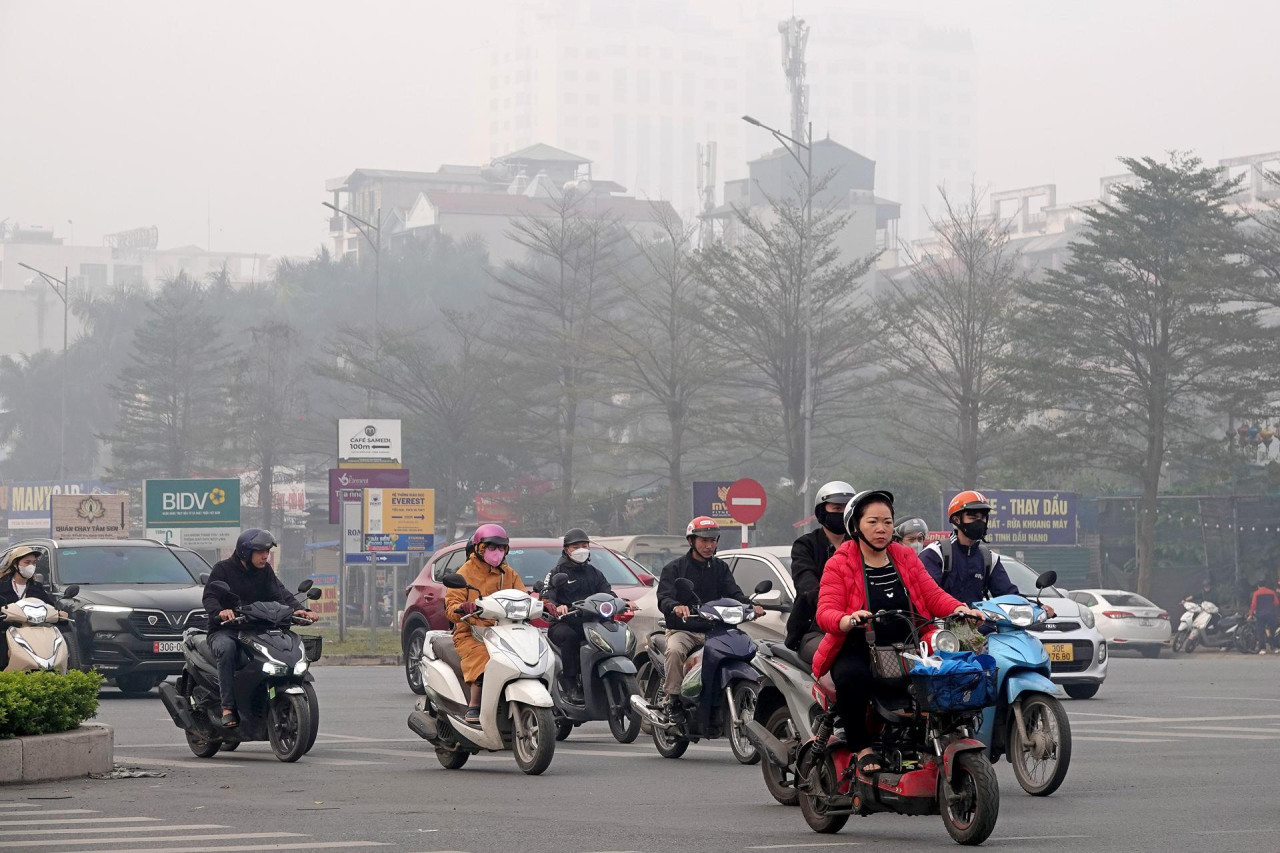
(136, 598)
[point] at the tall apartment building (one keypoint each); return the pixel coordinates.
(635, 85)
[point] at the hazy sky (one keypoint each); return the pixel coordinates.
(122, 114)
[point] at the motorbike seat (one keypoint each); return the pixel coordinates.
(778, 650)
(658, 642)
(444, 649)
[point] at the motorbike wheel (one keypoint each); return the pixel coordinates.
(744, 697)
(649, 684)
(1247, 641)
(289, 726)
(624, 723)
(1190, 645)
(200, 747)
(776, 779)
(535, 748)
(563, 729)
(75, 660)
(452, 759)
(1050, 733)
(229, 745)
(971, 819)
(412, 657)
(1179, 640)
(669, 744)
(822, 784)
(1082, 691)
(314, 702)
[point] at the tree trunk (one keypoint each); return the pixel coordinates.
(1146, 543)
(266, 479)
(675, 476)
(969, 427)
(566, 463)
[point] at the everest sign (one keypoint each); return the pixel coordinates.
(399, 519)
(369, 443)
(193, 513)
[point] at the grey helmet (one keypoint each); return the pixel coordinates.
(914, 526)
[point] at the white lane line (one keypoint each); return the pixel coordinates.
(62, 820)
(244, 848)
(26, 844)
(815, 844)
(178, 762)
(1234, 698)
(1245, 729)
(1201, 734)
(1037, 837)
(18, 806)
(119, 829)
(37, 811)
(1233, 831)
(1124, 739)
(341, 762)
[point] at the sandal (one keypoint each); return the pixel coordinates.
(865, 762)
(230, 720)
(472, 716)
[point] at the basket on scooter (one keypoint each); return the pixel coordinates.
(965, 682)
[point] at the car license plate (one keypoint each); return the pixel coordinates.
(166, 647)
(1060, 652)
(1147, 623)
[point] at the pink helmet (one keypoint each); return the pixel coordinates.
(490, 534)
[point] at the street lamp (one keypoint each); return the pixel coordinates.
(64, 295)
(806, 166)
(375, 243)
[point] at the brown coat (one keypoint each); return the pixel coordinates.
(488, 580)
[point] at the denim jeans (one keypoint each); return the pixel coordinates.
(225, 651)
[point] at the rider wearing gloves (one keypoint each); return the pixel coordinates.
(809, 554)
(249, 574)
(486, 570)
(711, 579)
(869, 573)
(583, 579)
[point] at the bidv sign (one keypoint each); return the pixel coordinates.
(194, 513)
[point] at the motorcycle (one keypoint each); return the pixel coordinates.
(1205, 625)
(273, 682)
(515, 705)
(786, 711)
(933, 764)
(718, 693)
(608, 673)
(35, 641)
(1028, 722)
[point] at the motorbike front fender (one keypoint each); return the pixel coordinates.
(1022, 682)
(616, 664)
(529, 691)
(956, 747)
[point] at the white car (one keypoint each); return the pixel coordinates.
(1127, 619)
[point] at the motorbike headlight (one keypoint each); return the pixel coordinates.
(517, 610)
(106, 608)
(300, 667)
(274, 668)
(1019, 614)
(630, 640)
(1086, 617)
(946, 641)
(730, 615)
(599, 641)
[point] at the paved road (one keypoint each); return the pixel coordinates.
(1172, 755)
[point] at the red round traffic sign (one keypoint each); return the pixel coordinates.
(746, 501)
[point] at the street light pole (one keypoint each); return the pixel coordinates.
(806, 166)
(64, 295)
(375, 242)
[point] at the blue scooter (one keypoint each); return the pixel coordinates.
(1028, 723)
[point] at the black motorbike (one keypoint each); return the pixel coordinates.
(608, 673)
(273, 685)
(718, 692)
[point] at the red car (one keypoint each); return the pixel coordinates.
(532, 558)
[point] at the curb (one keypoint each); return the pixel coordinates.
(358, 660)
(65, 755)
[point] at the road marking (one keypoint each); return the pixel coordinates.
(51, 842)
(815, 844)
(16, 805)
(1124, 739)
(62, 820)
(1202, 734)
(341, 762)
(306, 845)
(119, 829)
(1233, 698)
(38, 810)
(178, 762)
(1038, 837)
(1230, 831)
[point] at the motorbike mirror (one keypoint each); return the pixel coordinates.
(223, 592)
(38, 577)
(314, 593)
(204, 577)
(454, 581)
(71, 591)
(306, 585)
(559, 579)
(1046, 579)
(685, 590)
(763, 587)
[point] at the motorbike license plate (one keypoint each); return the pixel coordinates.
(1060, 652)
(165, 647)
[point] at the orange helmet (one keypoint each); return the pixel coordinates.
(703, 527)
(969, 500)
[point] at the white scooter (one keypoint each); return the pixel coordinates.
(34, 640)
(515, 704)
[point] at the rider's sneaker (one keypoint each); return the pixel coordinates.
(472, 717)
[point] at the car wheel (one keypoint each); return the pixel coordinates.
(75, 660)
(136, 683)
(412, 658)
(1082, 691)
(1151, 652)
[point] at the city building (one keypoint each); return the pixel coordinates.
(636, 85)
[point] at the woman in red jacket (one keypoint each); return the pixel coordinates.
(868, 573)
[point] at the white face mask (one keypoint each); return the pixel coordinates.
(27, 571)
(916, 546)
(580, 555)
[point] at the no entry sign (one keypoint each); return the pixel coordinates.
(746, 501)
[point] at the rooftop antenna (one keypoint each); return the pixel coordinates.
(795, 37)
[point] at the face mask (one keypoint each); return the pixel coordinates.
(493, 556)
(915, 546)
(580, 555)
(833, 522)
(974, 529)
(27, 571)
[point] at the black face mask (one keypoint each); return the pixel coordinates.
(975, 530)
(832, 521)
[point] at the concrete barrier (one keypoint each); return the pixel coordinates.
(66, 755)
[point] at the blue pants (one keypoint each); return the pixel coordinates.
(225, 651)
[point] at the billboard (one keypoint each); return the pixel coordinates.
(709, 499)
(369, 442)
(361, 478)
(1026, 517)
(399, 519)
(193, 513)
(90, 516)
(326, 606)
(29, 502)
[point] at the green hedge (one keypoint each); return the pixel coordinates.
(40, 703)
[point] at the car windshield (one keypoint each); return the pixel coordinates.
(1024, 578)
(119, 564)
(193, 561)
(1127, 599)
(534, 563)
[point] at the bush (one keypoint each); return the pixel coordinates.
(39, 703)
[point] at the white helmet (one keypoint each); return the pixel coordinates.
(836, 492)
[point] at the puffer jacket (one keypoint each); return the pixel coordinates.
(844, 591)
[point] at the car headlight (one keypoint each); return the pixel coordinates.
(1019, 614)
(1086, 616)
(274, 668)
(730, 615)
(300, 667)
(946, 641)
(106, 608)
(1102, 652)
(517, 610)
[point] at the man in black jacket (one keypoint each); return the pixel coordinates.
(249, 574)
(583, 579)
(809, 555)
(711, 579)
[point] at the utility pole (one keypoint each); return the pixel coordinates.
(375, 242)
(60, 288)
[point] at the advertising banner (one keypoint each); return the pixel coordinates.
(709, 499)
(1026, 517)
(399, 519)
(326, 606)
(196, 513)
(369, 442)
(362, 478)
(352, 528)
(29, 502)
(90, 516)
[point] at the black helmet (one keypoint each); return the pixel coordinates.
(253, 540)
(577, 534)
(853, 512)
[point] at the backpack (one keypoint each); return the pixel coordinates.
(987, 561)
